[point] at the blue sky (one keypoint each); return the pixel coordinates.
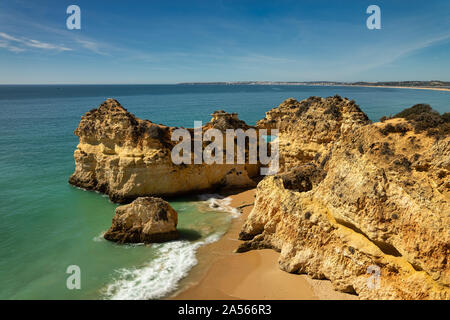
(179, 41)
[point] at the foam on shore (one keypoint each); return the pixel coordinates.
(217, 202)
(159, 277)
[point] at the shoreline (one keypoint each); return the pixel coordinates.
(221, 274)
(396, 87)
(323, 85)
(231, 84)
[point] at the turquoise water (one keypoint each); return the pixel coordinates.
(47, 225)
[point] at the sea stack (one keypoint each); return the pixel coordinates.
(126, 157)
(145, 220)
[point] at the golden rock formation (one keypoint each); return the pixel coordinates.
(145, 220)
(371, 199)
(125, 157)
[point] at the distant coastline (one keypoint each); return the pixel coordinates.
(418, 85)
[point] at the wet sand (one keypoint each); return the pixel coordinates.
(223, 274)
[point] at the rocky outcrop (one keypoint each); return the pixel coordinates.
(310, 127)
(372, 198)
(353, 197)
(145, 220)
(125, 157)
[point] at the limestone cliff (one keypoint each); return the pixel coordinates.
(125, 157)
(375, 196)
(309, 127)
(352, 195)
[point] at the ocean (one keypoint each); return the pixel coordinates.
(47, 225)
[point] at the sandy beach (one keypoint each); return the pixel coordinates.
(399, 87)
(223, 274)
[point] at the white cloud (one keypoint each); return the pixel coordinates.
(391, 52)
(8, 37)
(6, 45)
(19, 44)
(91, 45)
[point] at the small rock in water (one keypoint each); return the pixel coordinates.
(146, 219)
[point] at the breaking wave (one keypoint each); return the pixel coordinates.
(159, 277)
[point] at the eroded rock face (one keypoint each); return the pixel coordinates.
(126, 157)
(310, 127)
(145, 220)
(383, 200)
(351, 196)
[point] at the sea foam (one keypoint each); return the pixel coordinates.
(160, 276)
(220, 203)
(99, 237)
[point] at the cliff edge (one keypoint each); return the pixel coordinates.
(364, 205)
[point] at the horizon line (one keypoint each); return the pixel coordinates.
(225, 82)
